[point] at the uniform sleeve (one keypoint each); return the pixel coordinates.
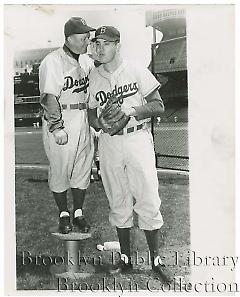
(146, 81)
(51, 83)
(51, 80)
(148, 86)
(153, 108)
(52, 112)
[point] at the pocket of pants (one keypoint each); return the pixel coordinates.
(150, 137)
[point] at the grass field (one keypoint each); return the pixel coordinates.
(36, 213)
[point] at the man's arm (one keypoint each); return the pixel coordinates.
(153, 107)
(93, 119)
(53, 116)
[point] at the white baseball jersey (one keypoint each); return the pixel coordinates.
(129, 83)
(68, 80)
(63, 77)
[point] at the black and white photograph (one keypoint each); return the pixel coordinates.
(120, 133)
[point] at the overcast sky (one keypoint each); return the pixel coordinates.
(38, 26)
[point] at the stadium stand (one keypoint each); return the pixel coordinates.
(171, 56)
(169, 65)
(27, 109)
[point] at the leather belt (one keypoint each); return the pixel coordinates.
(79, 106)
(130, 129)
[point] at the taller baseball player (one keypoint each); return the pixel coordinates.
(64, 88)
(127, 159)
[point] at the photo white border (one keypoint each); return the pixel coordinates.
(237, 88)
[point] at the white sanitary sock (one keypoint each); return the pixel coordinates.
(78, 213)
(64, 214)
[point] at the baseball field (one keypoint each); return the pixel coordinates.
(169, 138)
(39, 253)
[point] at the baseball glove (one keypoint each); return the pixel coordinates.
(112, 119)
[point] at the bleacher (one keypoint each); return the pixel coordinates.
(171, 56)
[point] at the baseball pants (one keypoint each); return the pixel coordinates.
(127, 164)
(70, 164)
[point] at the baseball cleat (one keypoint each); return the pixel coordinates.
(81, 224)
(64, 226)
(120, 267)
(163, 272)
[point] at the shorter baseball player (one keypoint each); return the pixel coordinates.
(64, 89)
(123, 98)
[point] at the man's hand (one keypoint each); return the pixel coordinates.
(129, 111)
(60, 136)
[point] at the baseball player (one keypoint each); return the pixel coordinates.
(64, 89)
(127, 159)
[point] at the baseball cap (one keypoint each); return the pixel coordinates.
(107, 33)
(76, 25)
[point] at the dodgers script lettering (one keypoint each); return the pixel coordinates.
(70, 83)
(120, 92)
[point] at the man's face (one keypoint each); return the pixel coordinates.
(106, 50)
(79, 42)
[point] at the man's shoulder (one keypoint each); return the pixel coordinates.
(84, 58)
(52, 56)
(86, 62)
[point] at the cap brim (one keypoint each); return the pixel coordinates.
(104, 37)
(88, 29)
